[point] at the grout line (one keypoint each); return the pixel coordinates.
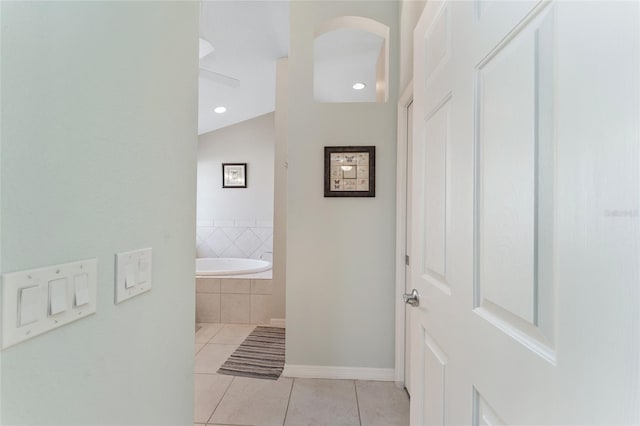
(219, 424)
(219, 402)
(214, 335)
(286, 412)
(355, 388)
(223, 344)
(213, 374)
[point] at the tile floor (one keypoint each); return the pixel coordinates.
(228, 400)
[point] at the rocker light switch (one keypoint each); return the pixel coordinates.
(57, 296)
(130, 276)
(30, 306)
(133, 274)
(35, 301)
(81, 289)
(142, 270)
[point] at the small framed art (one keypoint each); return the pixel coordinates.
(349, 171)
(234, 175)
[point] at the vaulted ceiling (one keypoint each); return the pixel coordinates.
(247, 37)
(242, 41)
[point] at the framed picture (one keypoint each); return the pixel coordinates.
(349, 171)
(234, 175)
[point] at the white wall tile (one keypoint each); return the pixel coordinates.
(233, 232)
(234, 241)
(221, 223)
(203, 250)
(263, 233)
(204, 232)
(246, 223)
(219, 241)
(204, 223)
(264, 252)
(248, 242)
(232, 251)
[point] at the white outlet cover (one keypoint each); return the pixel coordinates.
(133, 266)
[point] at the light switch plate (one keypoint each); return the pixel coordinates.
(39, 292)
(133, 274)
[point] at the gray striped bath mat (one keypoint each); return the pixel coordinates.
(260, 356)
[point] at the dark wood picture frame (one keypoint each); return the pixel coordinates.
(234, 175)
(349, 171)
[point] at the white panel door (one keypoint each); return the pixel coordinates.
(525, 213)
(407, 283)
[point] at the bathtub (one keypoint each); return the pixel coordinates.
(233, 291)
(215, 267)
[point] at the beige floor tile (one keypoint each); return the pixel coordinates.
(211, 357)
(208, 391)
(323, 402)
(197, 347)
(232, 334)
(382, 404)
(207, 331)
(254, 402)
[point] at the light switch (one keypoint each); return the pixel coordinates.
(81, 289)
(29, 305)
(143, 270)
(133, 274)
(130, 276)
(38, 300)
(57, 296)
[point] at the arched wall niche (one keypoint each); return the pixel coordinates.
(348, 50)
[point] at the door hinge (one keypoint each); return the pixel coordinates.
(406, 259)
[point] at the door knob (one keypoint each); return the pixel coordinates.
(411, 298)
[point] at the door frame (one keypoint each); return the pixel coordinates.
(401, 226)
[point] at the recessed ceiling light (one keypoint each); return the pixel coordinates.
(220, 110)
(359, 86)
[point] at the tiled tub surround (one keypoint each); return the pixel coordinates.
(238, 300)
(234, 238)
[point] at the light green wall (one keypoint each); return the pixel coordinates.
(251, 141)
(340, 251)
(98, 155)
(279, 269)
(410, 11)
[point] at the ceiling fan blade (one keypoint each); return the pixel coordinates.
(219, 78)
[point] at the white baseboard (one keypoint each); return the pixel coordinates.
(278, 322)
(351, 373)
